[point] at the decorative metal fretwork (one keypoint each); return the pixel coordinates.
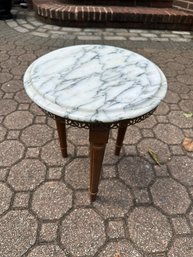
(112, 125)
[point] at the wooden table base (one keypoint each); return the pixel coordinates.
(98, 138)
(61, 127)
(120, 138)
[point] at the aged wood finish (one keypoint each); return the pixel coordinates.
(98, 138)
(120, 138)
(61, 127)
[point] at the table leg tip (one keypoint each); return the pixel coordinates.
(117, 151)
(93, 197)
(64, 153)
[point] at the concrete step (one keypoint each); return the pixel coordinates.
(55, 12)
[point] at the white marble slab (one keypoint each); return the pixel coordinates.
(95, 83)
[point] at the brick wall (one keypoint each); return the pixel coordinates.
(146, 3)
(186, 5)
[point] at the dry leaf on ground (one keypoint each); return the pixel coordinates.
(154, 156)
(188, 144)
(188, 114)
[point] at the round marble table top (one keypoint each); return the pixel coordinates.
(95, 83)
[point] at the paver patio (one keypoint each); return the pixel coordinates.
(142, 209)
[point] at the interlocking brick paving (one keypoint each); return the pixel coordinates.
(170, 196)
(52, 200)
(86, 232)
(142, 209)
(27, 174)
(18, 233)
(149, 229)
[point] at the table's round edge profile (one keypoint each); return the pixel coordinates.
(54, 109)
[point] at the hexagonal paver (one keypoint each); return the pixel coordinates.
(188, 133)
(28, 57)
(171, 196)
(7, 106)
(175, 66)
(147, 123)
(18, 120)
(121, 248)
(114, 199)
(21, 199)
(168, 133)
(141, 195)
(11, 151)
(48, 231)
(160, 148)
(182, 247)
(3, 132)
(37, 111)
(47, 251)
(12, 86)
(18, 233)
(5, 197)
(115, 229)
(186, 105)
(50, 122)
(51, 153)
(77, 173)
(86, 232)
(179, 88)
(185, 79)
(22, 97)
(3, 174)
(180, 225)
(4, 57)
(171, 97)
(110, 158)
(5, 76)
(52, 200)
(132, 135)
(185, 58)
(177, 118)
(162, 109)
(55, 173)
(74, 136)
(36, 135)
(83, 151)
(149, 229)
(181, 169)
(33, 152)
(135, 171)
(11, 62)
(27, 174)
(170, 73)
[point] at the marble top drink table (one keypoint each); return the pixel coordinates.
(96, 87)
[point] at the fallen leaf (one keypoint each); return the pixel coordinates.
(188, 144)
(154, 156)
(188, 114)
(117, 255)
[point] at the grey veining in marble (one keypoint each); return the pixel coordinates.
(95, 83)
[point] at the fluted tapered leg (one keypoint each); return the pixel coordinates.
(120, 138)
(61, 127)
(98, 138)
